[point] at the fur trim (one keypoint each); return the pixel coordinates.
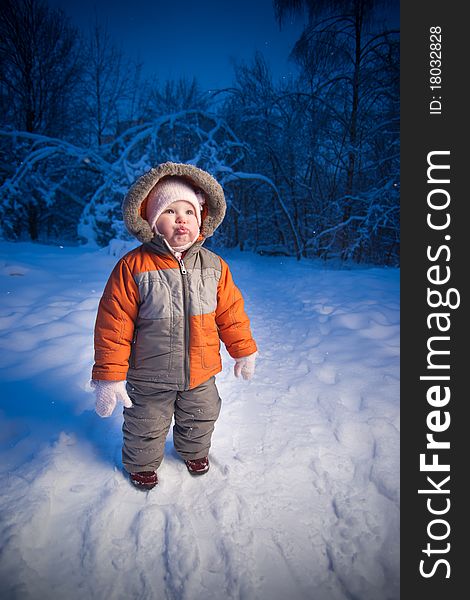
(214, 209)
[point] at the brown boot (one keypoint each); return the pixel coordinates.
(199, 466)
(145, 480)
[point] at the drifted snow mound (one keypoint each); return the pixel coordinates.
(302, 498)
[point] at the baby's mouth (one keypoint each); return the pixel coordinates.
(181, 230)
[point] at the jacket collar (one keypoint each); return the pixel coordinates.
(159, 246)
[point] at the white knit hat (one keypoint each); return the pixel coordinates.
(170, 190)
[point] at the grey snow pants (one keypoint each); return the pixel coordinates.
(146, 424)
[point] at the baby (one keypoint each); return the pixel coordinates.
(164, 310)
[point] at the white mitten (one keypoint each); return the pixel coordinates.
(245, 366)
(107, 394)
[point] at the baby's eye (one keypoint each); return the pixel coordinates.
(170, 211)
(190, 212)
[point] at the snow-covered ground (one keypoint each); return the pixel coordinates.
(302, 499)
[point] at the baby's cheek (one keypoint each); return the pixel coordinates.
(194, 227)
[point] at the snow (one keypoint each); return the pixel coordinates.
(302, 499)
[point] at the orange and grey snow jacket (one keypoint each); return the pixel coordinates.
(161, 319)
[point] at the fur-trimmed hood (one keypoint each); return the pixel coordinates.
(133, 206)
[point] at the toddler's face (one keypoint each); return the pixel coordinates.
(178, 223)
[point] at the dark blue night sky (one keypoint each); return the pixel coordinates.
(185, 38)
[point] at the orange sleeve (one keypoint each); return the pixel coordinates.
(114, 327)
(231, 319)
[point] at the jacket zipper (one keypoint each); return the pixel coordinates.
(186, 323)
(182, 267)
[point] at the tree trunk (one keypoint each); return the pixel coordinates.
(32, 221)
(359, 19)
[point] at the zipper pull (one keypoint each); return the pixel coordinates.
(183, 268)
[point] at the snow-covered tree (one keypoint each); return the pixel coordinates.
(349, 58)
(191, 136)
(46, 186)
(40, 66)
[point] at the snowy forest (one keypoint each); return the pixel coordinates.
(309, 164)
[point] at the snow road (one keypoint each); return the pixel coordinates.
(302, 499)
